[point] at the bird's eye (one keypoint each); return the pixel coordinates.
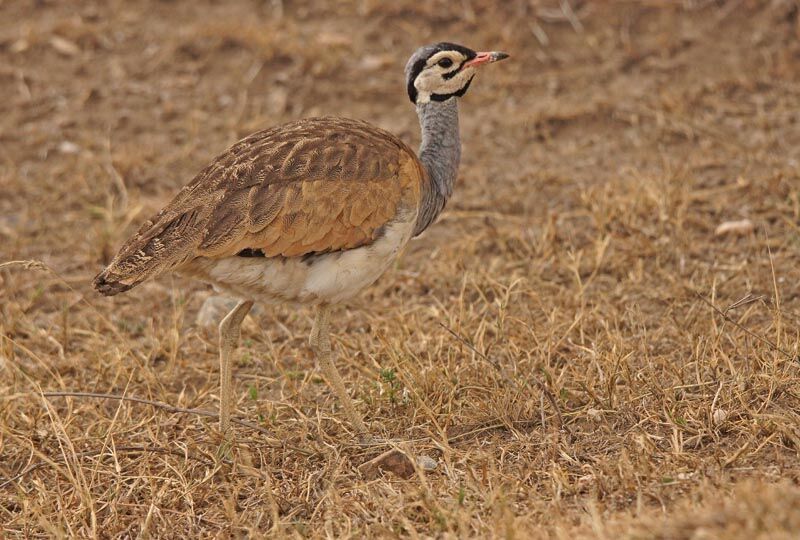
(445, 62)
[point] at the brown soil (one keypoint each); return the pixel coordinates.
(577, 261)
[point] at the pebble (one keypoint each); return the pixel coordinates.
(427, 463)
(215, 308)
(741, 227)
(68, 147)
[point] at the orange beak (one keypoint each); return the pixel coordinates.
(486, 58)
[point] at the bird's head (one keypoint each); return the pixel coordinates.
(443, 71)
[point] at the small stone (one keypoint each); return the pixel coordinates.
(213, 310)
(739, 228)
(719, 416)
(68, 147)
(216, 307)
(20, 45)
(375, 62)
(277, 100)
(64, 46)
(334, 39)
(393, 461)
(427, 463)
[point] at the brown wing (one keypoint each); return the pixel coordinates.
(316, 185)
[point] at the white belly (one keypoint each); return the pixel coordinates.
(329, 278)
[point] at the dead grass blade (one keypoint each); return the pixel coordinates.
(169, 408)
(746, 330)
(546, 391)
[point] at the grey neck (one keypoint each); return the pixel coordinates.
(439, 153)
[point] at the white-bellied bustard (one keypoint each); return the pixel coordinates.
(309, 212)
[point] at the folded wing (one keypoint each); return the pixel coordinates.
(317, 185)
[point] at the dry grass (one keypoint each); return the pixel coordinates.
(578, 259)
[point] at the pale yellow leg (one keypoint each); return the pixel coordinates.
(229, 331)
(321, 343)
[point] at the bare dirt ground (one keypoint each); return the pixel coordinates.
(577, 261)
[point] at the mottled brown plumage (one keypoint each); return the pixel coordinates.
(313, 186)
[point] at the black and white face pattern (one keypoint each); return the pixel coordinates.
(437, 72)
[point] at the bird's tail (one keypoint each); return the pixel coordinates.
(128, 269)
(108, 285)
(160, 245)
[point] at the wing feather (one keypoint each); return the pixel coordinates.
(317, 185)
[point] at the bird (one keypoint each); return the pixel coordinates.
(310, 212)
